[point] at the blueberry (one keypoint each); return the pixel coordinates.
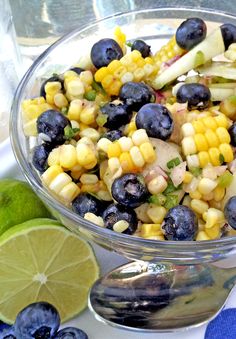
(52, 79)
(71, 333)
(230, 212)
(113, 135)
(37, 320)
(228, 32)
(104, 51)
(142, 47)
(77, 70)
(7, 331)
(136, 94)
(118, 114)
(130, 190)
(52, 123)
(180, 223)
(190, 33)
(196, 95)
(115, 212)
(85, 203)
(156, 120)
(232, 133)
(40, 156)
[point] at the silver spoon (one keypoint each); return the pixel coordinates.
(161, 297)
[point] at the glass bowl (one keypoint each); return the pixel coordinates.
(155, 26)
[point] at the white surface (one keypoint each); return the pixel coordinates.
(107, 260)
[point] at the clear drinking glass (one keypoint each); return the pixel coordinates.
(10, 70)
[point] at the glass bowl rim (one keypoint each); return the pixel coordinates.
(186, 246)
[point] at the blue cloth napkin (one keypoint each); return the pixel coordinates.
(223, 326)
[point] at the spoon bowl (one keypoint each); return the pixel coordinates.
(160, 297)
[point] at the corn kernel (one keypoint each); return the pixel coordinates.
(204, 159)
(157, 185)
(94, 218)
(227, 152)
(187, 177)
(85, 155)
(219, 193)
(192, 161)
(86, 77)
(199, 206)
(120, 226)
(210, 122)
(195, 195)
(54, 157)
(208, 197)
(214, 155)
(137, 157)
(198, 126)
(126, 162)
(156, 214)
(139, 137)
(202, 236)
(68, 156)
(88, 115)
(91, 133)
(51, 173)
(187, 201)
(125, 143)
(114, 150)
(148, 230)
(212, 138)
(213, 232)
(75, 88)
(74, 109)
(101, 73)
(107, 81)
(206, 185)
(201, 142)
(52, 87)
(60, 100)
(103, 144)
(187, 129)
(189, 146)
(213, 217)
(148, 152)
(69, 192)
(223, 135)
(114, 165)
(222, 121)
(60, 181)
(114, 87)
(128, 76)
(88, 178)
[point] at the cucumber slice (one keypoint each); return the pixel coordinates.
(211, 46)
(219, 94)
(223, 69)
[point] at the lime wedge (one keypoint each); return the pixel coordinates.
(40, 260)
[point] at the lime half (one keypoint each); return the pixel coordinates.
(40, 260)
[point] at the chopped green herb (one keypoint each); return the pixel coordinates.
(196, 171)
(98, 88)
(90, 95)
(64, 110)
(172, 163)
(157, 199)
(225, 179)
(171, 201)
(199, 59)
(171, 187)
(129, 44)
(101, 119)
(54, 74)
(221, 158)
(101, 156)
(70, 132)
(190, 300)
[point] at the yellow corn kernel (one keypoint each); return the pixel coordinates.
(54, 157)
(60, 181)
(88, 115)
(119, 72)
(51, 173)
(187, 201)
(88, 178)
(227, 152)
(128, 76)
(214, 155)
(212, 217)
(189, 146)
(52, 87)
(210, 122)
(187, 129)
(139, 74)
(85, 155)
(208, 197)
(86, 77)
(204, 159)
(201, 142)
(148, 230)
(202, 236)
(192, 161)
(157, 185)
(135, 55)
(120, 226)
(114, 150)
(148, 152)
(103, 144)
(139, 137)
(113, 66)
(137, 157)
(222, 121)
(75, 88)
(68, 156)
(199, 206)
(91, 133)
(91, 165)
(195, 195)
(212, 138)
(198, 126)
(206, 185)
(125, 143)
(69, 192)
(101, 73)
(126, 162)
(114, 87)
(219, 193)
(187, 177)
(223, 135)
(74, 109)
(213, 232)
(60, 100)
(156, 214)
(114, 165)
(94, 218)
(107, 81)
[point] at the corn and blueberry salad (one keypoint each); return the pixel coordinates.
(143, 142)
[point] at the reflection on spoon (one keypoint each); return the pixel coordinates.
(160, 297)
